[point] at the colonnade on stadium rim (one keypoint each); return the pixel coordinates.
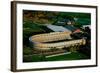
(41, 41)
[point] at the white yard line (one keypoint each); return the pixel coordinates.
(58, 54)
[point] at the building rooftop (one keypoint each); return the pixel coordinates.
(57, 28)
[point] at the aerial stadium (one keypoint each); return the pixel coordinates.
(55, 40)
(56, 36)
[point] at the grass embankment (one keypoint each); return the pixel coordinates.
(39, 58)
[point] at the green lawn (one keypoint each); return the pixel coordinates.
(72, 56)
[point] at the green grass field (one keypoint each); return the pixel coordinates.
(71, 56)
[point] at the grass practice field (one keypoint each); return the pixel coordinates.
(71, 56)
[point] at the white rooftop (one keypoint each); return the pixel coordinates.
(57, 28)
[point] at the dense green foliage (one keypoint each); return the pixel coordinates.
(77, 15)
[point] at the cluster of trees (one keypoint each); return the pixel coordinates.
(50, 16)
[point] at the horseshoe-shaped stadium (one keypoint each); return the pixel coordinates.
(58, 40)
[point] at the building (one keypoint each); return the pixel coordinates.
(53, 36)
(44, 42)
(56, 28)
(68, 28)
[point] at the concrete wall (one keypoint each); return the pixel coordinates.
(41, 41)
(49, 37)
